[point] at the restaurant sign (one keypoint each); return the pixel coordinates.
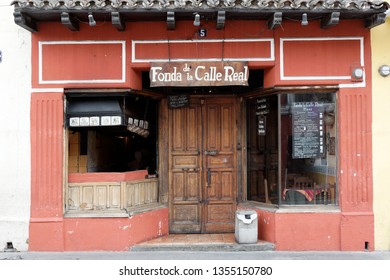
(193, 74)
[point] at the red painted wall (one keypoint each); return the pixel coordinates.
(58, 66)
(114, 234)
(308, 231)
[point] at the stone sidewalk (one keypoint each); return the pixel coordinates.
(196, 255)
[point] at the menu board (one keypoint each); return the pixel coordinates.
(308, 130)
(178, 101)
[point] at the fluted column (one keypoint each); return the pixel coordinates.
(46, 171)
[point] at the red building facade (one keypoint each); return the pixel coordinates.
(117, 161)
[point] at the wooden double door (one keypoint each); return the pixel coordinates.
(203, 166)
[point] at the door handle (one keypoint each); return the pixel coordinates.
(190, 169)
(208, 177)
(211, 152)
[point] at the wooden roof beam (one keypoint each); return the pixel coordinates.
(118, 21)
(171, 22)
(330, 20)
(69, 21)
(25, 21)
(221, 18)
(275, 21)
(375, 20)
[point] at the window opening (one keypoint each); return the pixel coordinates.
(308, 128)
(101, 147)
(292, 155)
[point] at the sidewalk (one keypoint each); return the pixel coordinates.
(195, 255)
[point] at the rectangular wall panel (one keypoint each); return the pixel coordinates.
(206, 50)
(318, 59)
(97, 62)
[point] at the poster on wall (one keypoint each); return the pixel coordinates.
(308, 130)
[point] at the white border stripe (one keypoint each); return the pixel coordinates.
(40, 63)
(283, 77)
(270, 58)
(43, 90)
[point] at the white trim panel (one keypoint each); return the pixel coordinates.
(43, 82)
(271, 56)
(283, 77)
(44, 90)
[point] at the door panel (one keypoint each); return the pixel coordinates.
(185, 169)
(220, 161)
(202, 166)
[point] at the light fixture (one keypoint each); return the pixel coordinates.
(304, 21)
(91, 20)
(384, 70)
(357, 73)
(196, 19)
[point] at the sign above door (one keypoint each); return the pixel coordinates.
(195, 74)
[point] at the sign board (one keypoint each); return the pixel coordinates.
(261, 125)
(308, 130)
(262, 107)
(194, 74)
(178, 101)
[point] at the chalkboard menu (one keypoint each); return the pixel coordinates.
(307, 127)
(178, 101)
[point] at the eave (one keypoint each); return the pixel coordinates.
(29, 15)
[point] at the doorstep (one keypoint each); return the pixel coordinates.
(201, 242)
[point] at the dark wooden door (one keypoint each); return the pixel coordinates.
(202, 166)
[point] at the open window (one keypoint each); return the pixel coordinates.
(292, 151)
(111, 133)
(111, 153)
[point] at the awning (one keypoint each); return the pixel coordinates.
(93, 109)
(94, 112)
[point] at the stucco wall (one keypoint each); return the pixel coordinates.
(381, 135)
(15, 88)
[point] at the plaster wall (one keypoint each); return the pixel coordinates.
(380, 40)
(15, 170)
(328, 231)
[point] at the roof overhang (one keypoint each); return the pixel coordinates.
(29, 13)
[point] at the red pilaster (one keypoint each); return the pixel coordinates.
(355, 171)
(46, 172)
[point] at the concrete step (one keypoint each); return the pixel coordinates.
(201, 242)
